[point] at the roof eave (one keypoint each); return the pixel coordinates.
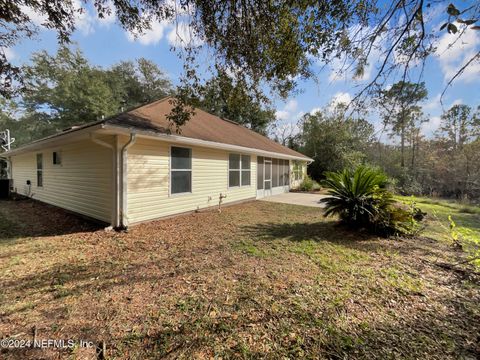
(203, 143)
(61, 136)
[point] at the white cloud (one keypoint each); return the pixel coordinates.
(151, 36)
(432, 104)
(9, 53)
(288, 111)
(183, 35)
(84, 20)
(453, 52)
(108, 18)
(339, 98)
(429, 127)
(35, 17)
(287, 120)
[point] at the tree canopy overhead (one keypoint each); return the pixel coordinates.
(266, 42)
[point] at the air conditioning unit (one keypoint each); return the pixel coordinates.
(5, 186)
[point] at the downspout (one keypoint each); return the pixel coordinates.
(115, 173)
(124, 182)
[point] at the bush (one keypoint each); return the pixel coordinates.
(308, 184)
(361, 199)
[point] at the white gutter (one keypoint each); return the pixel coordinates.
(115, 174)
(204, 143)
(124, 183)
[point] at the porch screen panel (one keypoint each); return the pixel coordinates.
(259, 172)
(275, 171)
(281, 170)
(286, 173)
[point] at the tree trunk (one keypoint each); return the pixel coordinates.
(402, 146)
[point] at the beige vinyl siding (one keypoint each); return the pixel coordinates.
(83, 183)
(148, 181)
(296, 183)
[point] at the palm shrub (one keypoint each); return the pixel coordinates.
(360, 198)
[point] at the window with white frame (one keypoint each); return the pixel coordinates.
(239, 170)
(180, 170)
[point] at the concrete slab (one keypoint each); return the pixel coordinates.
(293, 198)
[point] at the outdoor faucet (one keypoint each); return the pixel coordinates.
(220, 198)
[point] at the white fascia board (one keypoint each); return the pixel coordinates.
(60, 138)
(202, 143)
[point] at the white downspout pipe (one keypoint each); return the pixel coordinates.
(124, 182)
(115, 174)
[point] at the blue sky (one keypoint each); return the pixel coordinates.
(105, 43)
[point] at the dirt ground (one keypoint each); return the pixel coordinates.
(259, 280)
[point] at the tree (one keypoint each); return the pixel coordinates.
(400, 109)
(230, 99)
(334, 141)
(64, 89)
(262, 42)
(67, 88)
(459, 125)
(136, 83)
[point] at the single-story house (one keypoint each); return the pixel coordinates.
(130, 168)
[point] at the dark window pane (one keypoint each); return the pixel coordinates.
(234, 161)
(246, 175)
(57, 160)
(260, 173)
(39, 161)
(275, 172)
(245, 162)
(181, 182)
(39, 178)
(234, 178)
(181, 158)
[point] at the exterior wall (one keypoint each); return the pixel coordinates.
(82, 183)
(148, 181)
(296, 183)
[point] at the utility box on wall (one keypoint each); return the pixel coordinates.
(5, 185)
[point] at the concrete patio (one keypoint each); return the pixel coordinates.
(293, 198)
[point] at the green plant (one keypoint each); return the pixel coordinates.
(360, 198)
(308, 184)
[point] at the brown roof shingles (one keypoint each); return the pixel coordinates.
(202, 125)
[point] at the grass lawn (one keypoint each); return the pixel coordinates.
(466, 219)
(259, 280)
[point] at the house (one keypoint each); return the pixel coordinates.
(129, 168)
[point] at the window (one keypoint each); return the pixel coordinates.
(239, 173)
(297, 170)
(180, 170)
(57, 158)
(39, 170)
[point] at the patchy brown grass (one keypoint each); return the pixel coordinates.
(259, 280)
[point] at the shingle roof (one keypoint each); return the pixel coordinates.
(202, 125)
